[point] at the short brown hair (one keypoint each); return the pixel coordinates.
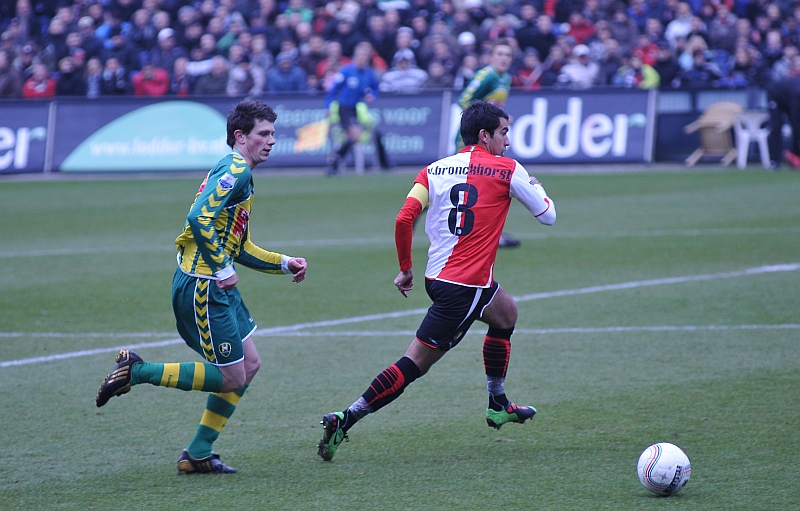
(244, 116)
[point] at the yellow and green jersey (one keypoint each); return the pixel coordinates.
(486, 85)
(216, 233)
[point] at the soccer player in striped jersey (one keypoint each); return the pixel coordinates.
(210, 314)
(468, 196)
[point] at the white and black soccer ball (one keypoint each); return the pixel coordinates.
(664, 469)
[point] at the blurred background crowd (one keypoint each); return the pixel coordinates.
(243, 47)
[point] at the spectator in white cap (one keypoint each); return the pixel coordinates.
(580, 72)
(404, 77)
(166, 52)
(467, 42)
(86, 21)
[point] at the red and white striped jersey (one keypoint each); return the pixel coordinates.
(469, 194)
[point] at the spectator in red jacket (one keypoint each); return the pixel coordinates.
(151, 81)
(580, 28)
(40, 85)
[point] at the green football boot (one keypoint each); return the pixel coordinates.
(333, 435)
(511, 413)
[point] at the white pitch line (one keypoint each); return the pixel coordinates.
(658, 233)
(83, 353)
(658, 282)
(289, 329)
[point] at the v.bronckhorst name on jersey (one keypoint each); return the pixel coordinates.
(473, 169)
(216, 232)
(469, 195)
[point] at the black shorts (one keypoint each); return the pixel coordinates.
(454, 310)
(348, 116)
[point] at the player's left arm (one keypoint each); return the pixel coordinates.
(374, 88)
(262, 260)
(530, 192)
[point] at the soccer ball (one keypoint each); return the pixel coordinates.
(664, 469)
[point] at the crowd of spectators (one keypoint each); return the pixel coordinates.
(244, 47)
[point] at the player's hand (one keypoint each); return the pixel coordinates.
(404, 281)
(534, 181)
(298, 266)
(229, 283)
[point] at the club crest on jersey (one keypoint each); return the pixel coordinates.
(225, 349)
(227, 181)
(241, 222)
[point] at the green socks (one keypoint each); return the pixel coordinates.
(184, 375)
(219, 409)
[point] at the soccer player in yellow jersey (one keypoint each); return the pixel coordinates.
(210, 314)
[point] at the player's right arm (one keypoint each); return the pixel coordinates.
(477, 88)
(416, 201)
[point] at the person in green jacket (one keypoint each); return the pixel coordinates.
(636, 75)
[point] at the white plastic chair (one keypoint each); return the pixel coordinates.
(749, 127)
(715, 128)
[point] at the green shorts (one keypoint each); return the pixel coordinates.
(211, 321)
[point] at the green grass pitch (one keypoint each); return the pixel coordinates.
(662, 306)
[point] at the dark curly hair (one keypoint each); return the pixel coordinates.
(480, 116)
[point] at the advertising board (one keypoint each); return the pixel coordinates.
(23, 136)
(168, 135)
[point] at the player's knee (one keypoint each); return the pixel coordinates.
(506, 321)
(233, 378)
(252, 365)
(513, 313)
(503, 313)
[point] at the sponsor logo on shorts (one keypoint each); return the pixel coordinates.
(225, 349)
